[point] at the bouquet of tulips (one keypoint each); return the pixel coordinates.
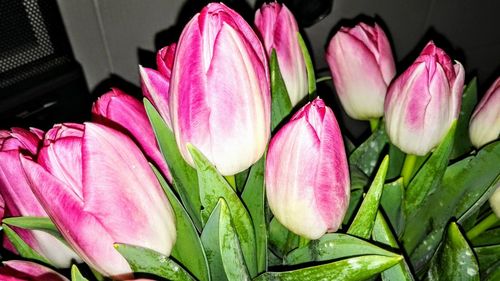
(234, 169)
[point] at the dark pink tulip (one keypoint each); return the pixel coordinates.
(18, 270)
(98, 188)
(279, 30)
(422, 102)
(362, 66)
(126, 114)
(485, 121)
(165, 60)
(20, 200)
(307, 176)
(220, 94)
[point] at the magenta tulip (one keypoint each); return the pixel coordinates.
(99, 189)
(485, 121)
(307, 176)
(362, 66)
(220, 93)
(422, 102)
(155, 84)
(17, 270)
(20, 200)
(116, 109)
(279, 30)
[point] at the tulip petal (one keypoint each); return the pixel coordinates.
(25, 270)
(155, 87)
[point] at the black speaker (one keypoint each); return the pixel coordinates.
(40, 81)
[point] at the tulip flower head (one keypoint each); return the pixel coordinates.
(423, 102)
(18, 270)
(485, 121)
(220, 93)
(362, 66)
(93, 181)
(307, 176)
(279, 31)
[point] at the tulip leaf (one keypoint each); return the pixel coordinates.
(35, 223)
(487, 238)
(429, 176)
(281, 240)
(488, 258)
(391, 200)
(382, 233)
(254, 198)
(454, 260)
(469, 100)
(187, 249)
(281, 106)
(311, 79)
(76, 275)
(358, 183)
(465, 186)
(147, 261)
(212, 187)
(22, 248)
(365, 217)
(355, 268)
(184, 176)
(334, 246)
(367, 155)
(397, 159)
(222, 246)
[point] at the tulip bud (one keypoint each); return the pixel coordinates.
(495, 202)
(156, 84)
(93, 181)
(307, 176)
(485, 121)
(220, 94)
(18, 270)
(19, 199)
(279, 30)
(362, 66)
(116, 109)
(422, 102)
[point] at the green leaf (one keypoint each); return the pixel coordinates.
(382, 233)
(143, 260)
(281, 240)
(488, 258)
(391, 200)
(35, 223)
(254, 198)
(354, 202)
(356, 268)
(311, 79)
(187, 249)
(358, 183)
(487, 238)
(22, 248)
(366, 156)
(281, 106)
(76, 275)
(212, 187)
(365, 218)
(241, 180)
(222, 246)
(429, 176)
(454, 259)
(462, 140)
(333, 246)
(184, 176)
(397, 159)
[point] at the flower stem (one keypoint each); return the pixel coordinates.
(231, 180)
(324, 78)
(303, 241)
(374, 124)
(408, 167)
(482, 226)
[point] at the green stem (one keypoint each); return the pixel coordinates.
(303, 241)
(374, 124)
(482, 226)
(324, 78)
(408, 167)
(232, 181)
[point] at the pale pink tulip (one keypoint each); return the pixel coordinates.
(484, 125)
(18, 270)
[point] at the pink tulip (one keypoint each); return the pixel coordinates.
(155, 84)
(20, 200)
(99, 189)
(362, 66)
(307, 176)
(422, 102)
(485, 121)
(17, 270)
(279, 30)
(117, 109)
(219, 94)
